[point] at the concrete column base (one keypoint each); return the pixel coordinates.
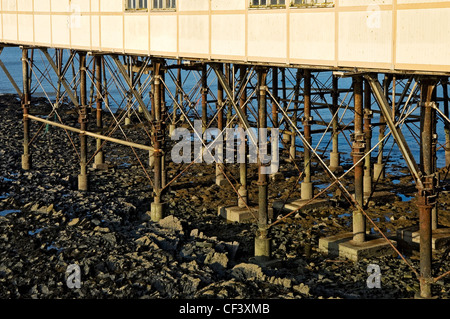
(26, 162)
(99, 162)
(127, 121)
(378, 172)
(240, 214)
(243, 197)
(262, 248)
(307, 190)
(440, 238)
(157, 211)
(172, 128)
(335, 161)
(342, 245)
(293, 153)
(367, 185)
(303, 204)
(83, 182)
(220, 179)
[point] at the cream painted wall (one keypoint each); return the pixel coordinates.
(363, 39)
(267, 35)
(312, 36)
(231, 42)
(360, 33)
(163, 34)
(194, 34)
(423, 42)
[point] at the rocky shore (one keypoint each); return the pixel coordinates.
(46, 224)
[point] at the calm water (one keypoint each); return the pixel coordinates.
(41, 87)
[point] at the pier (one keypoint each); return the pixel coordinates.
(353, 98)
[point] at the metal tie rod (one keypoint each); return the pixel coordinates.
(87, 133)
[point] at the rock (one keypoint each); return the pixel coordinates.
(74, 222)
(302, 288)
(172, 223)
(246, 271)
(189, 284)
(110, 238)
(101, 229)
(49, 209)
(144, 241)
(196, 233)
(217, 261)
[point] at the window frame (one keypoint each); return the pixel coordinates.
(268, 5)
(292, 4)
(128, 9)
(313, 4)
(152, 7)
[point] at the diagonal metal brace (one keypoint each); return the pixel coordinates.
(396, 132)
(226, 85)
(135, 93)
(61, 78)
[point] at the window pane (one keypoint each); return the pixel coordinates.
(273, 2)
(263, 2)
(282, 2)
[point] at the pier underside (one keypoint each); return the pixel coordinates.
(339, 140)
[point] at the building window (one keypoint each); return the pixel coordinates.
(164, 4)
(136, 4)
(312, 3)
(267, 3)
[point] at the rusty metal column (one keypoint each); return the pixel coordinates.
(275, 121)
(426, 196)
(262, 242)
(163, 111)
(307, 190)
(359, 221)
(99, 161)
(220, 178)
(26, 156)
(368, 114)
(275, 95)
(83, 120)
(335, 162)
(243, 191)
(293, 148)
(157, 207)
